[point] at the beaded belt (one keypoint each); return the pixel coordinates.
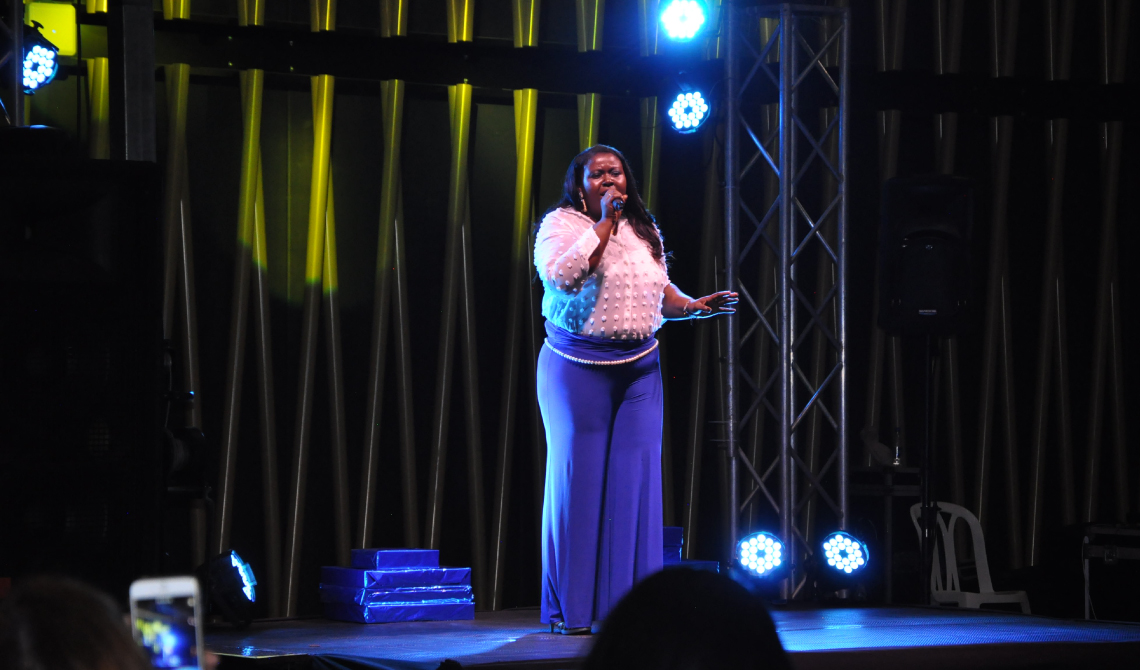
(623, 361)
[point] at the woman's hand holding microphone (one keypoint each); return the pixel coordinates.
(612, 204)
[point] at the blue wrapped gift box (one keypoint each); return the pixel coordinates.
(396, 577)
(406, 595)
(394, 613)
(381, 559)
(390, 585)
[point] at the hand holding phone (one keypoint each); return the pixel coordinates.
(166, 618)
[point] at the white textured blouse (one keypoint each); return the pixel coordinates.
(620, 300)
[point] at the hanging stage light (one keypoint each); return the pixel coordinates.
(760, 554)
(845, 553)
(689, 111)
(41, 59)
(682, 19)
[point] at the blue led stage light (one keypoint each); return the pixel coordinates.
(682, 19)
(689, 110)
(228, 586)
(760, 553)
(41, 59)
(845, 552)
(248, 581)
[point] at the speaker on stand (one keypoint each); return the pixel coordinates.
(924, 291)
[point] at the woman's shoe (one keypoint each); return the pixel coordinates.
(561, 628)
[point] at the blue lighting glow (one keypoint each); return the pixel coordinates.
(683, 19)
(845, 553)
(689, 111)
(247, 579)
(40, 65)
(760, 553)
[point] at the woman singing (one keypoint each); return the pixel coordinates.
(602, 264)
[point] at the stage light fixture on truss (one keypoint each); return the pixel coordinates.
(760, 554)
(689, 111)
(228, 584)
(845, 553)
(41, 59)
(683, 19)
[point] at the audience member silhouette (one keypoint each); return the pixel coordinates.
(682, 619)
(55, 623)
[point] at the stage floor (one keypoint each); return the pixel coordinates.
(896, 637)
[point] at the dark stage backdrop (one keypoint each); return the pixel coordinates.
(214, 138)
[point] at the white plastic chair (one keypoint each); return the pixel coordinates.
(951, 592)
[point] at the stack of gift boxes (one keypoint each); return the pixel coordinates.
(387, 585)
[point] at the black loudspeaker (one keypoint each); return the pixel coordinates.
(924, 255)
(81, 368)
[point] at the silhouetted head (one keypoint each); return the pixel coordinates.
(55, 623)
(682, 619)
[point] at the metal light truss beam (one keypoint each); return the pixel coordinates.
(803, 228)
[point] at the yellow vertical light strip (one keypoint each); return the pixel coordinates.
(460, 20)
(251, 87)
(589, 15)
(251, 191)
(97, 6)
(525, 25)
(391, 292)
(394, 18)
(251, 12)
(99, 113)
(323, 18)
(175, 9)
(460, 28)
(319, 187)
(322, 15)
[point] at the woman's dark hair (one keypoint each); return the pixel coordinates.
(685, 619)
(635, 210)
(55, 623)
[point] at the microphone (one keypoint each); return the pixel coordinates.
(619, 205)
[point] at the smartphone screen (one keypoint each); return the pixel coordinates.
(165, 629)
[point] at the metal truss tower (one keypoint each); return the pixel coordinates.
(785, 252)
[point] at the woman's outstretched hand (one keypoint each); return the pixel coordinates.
(721, 302)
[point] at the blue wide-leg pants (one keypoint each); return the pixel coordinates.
(601, 515)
